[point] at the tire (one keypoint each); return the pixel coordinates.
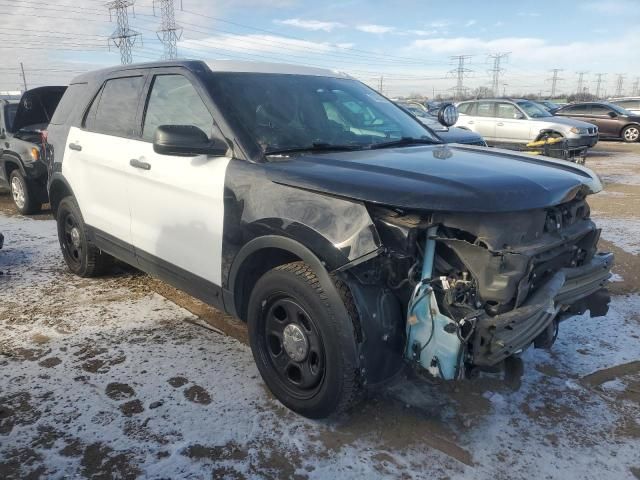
(316, 373)
(631, 134)
(22, 194)
(82, 258)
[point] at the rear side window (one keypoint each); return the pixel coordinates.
(175, 101)
(74, 93)
(576, 110)
(113, 111)
(485, 109)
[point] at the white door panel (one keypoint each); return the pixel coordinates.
(98, 177)
(516, 130)
(177, 209)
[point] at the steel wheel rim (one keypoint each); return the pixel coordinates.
(631, 134)
(301, 375)
(17, 191)
(71, 239)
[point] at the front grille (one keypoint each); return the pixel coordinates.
(592, 130)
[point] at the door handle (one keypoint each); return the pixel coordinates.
(500, 124)
(135, 163)
(471, 122)
(75, 146)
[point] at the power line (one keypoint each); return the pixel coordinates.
(554, 81)
(169, 32)
(599, 83)
(496, 70)
(460, 71)
(580, 81)
(124, 38)
(619, 83)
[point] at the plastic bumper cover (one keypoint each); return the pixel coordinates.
(498, 337)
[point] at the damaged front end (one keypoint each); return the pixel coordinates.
(479, 288)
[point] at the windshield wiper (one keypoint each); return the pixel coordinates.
(315, 147)
(404, 141)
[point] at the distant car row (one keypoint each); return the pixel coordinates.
(520, 121)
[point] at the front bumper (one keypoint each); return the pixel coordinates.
(496, 338)
(582, 141)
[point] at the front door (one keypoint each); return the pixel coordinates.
(601, 116)
(511, 125)
(177, 208)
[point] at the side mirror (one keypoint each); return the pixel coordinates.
(186, 141)
(612, 114)
(448, 115)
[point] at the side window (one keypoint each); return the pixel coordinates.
(575, 110)
(113, 111)
(465, 108)
(174, 101)
(600, 110)
(485, 109)
(506, 110)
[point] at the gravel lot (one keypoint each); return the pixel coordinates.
(124, 377)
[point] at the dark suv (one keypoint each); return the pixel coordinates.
(22, 167)
(351, 244)
(612, 120)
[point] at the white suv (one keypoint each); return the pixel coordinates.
(519, 121)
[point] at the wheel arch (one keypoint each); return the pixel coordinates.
(59, 188)
(260, 255)
(549, 131)
(10, 163)
(631, 124)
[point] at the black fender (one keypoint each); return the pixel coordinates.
(10, 157)
(58, 187)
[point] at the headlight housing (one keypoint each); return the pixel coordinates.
(578, 131)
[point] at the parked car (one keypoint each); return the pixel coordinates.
(446, 134)
(22, 168)
(631, 104)
(348, 237)
(612, 120)
(520, 121)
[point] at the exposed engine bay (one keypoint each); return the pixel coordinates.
(479, 288)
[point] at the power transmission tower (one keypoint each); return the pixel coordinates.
(380, 84)
(599, 83)
(619, 82)
(24, 77)
(460, 89)
(554, 81)
(636, 87)
(169, 32)
(123, 38)
(580, 81)
(496, 70)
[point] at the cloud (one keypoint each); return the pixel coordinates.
(372, 28)
(440, 24)
(310, 24)
(470, 23)
(498, 24)
(260, 43)
(423, 33)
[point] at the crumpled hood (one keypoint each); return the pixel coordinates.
(37, 106)
(439, 178)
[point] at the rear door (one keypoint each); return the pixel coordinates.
(484, 121)
(96, 159)
(512, 125)
(177, 208)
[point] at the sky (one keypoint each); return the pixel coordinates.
(403, 46)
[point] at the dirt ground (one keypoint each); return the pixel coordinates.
(125, 377)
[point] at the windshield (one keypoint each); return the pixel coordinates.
(286, 112)
(533, 110)
(9, 114)
(618, 109)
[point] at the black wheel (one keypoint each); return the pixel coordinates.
(306, 353)
(631, 134)
(22, 194)
(82, 258)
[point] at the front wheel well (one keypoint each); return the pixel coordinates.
(9, 166)
(253, 267)
(549, 134)
(57, 191)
